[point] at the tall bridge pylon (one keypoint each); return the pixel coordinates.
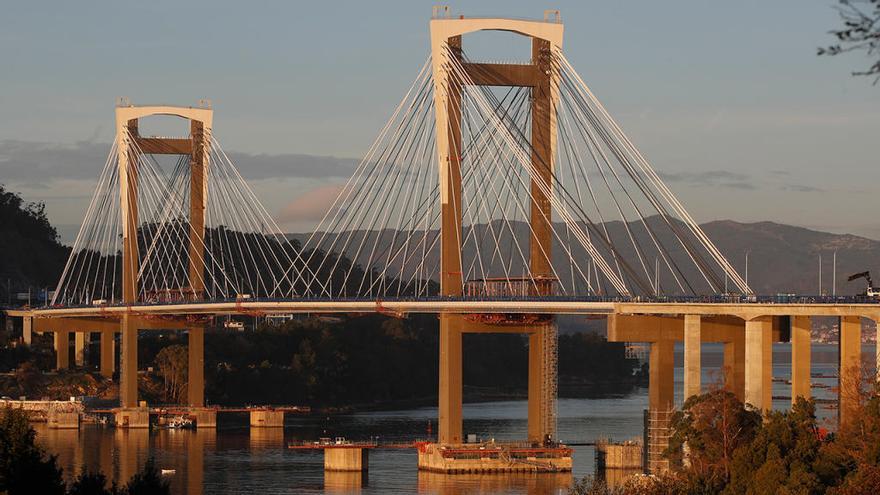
(451, 72)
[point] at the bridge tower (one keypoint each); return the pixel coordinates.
(130, 145)
(541, 75)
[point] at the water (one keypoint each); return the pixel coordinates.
(236, 459)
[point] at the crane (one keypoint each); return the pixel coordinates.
(870, 291)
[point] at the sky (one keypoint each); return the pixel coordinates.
(727, 100)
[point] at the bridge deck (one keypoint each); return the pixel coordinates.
(746, 308)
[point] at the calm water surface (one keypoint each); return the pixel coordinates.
(236, 459)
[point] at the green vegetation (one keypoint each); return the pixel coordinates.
(720, 446)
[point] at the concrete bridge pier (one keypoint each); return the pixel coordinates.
(759, 362)
(346, 458)
(27, 330)
(128, 378)
(692, 354)
(266, 418)
(661, 375)
(80, 343)
(196, 355)
(62, 420)
(850, 366)
(108, 353)
(734, 364)
(205, 418)
(801, 361)
(62, 349)
(449, 425)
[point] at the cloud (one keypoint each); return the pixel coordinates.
(262, 166)
(712, 178)
(37, 164)
(801, 188)
(310, 205)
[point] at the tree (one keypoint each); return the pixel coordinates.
(710, 428)
(24, 467)
(148, 482)
(173, 362)
(27, 377)
(783, 455)
(860, 32)
(91, 483)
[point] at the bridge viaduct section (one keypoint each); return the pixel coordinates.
(748, 333)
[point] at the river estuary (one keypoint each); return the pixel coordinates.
(234, 459)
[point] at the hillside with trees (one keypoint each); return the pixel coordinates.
(30, 253)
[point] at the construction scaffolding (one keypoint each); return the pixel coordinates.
(550, 385)
(658, 430)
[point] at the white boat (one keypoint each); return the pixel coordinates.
(179, 423)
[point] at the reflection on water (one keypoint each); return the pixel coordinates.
(455, 484)
(232, 460)
(345, 482)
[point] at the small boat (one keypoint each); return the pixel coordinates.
(179, 423)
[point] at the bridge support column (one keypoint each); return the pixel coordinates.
(27, 330)
(692, 348)
(196, 351)
(108, 353)
(449, 427)
(128, 380)
(801, 327)
(850, 366)
(542, 397)
(80, 341)
(661, 380)
(62, 349)
(758, 363)
(735, 365)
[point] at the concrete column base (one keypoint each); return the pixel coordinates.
(132, 418)
(205, 418)
(346, 459)
(58, 420)
(265, 418)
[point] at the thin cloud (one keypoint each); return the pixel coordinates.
(310, 205)
(711, 178)
(801, 188)
(38, 164)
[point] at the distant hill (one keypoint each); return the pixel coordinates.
(30, 254)
(782, 258)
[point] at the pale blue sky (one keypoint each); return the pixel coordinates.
(699, 86)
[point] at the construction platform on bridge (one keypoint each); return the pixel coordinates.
(494, 457)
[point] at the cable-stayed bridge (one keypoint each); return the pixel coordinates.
(496, 196)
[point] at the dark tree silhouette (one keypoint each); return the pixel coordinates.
(24, 467)
(860, 32)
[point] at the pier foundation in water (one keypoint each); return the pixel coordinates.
(493, 458)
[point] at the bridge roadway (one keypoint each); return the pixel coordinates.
(745, 307)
